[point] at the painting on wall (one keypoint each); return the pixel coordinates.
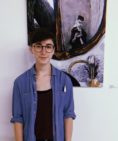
(79, 28)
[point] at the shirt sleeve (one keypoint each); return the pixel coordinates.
(69, 101)
(17, 114)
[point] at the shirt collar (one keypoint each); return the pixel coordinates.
(33, 71)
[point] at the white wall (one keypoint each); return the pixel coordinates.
(96, 109)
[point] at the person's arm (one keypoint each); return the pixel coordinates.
(68, 122)
(17, 113)
(18, 129)
(69, 114)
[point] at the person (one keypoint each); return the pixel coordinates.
(78, 34)
(43, 105)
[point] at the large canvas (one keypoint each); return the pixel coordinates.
(79, 28)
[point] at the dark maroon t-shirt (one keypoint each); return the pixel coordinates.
(43, 123)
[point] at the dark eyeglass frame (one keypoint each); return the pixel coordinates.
(49, 47)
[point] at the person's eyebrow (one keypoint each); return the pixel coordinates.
(39, 43)
(50, 44)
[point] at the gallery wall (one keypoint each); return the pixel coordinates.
(96, 108)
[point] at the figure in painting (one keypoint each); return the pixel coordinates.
(78, 34)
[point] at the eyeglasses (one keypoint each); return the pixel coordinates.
(38, 47)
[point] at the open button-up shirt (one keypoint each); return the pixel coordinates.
(25, 102)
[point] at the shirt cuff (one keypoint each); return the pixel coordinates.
(73, 116)
(16, 119)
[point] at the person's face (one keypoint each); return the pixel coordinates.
(80, 22)
(43, 51)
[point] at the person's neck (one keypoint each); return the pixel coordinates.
(43, 70)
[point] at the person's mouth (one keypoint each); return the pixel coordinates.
(43, 57)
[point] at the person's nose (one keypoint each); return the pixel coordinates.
(43, 50)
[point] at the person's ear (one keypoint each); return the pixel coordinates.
(54, 51)
(30, 49)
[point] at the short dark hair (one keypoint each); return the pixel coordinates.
(80, 17)
(41, 34)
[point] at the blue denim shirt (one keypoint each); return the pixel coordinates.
(25, 102)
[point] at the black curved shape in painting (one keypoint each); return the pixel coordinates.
(40, 14)
(75, 83)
